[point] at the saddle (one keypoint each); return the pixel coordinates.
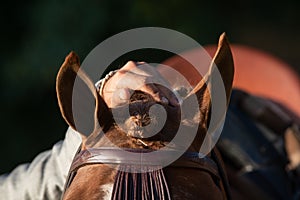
(253, 145)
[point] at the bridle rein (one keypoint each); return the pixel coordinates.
(153, 178)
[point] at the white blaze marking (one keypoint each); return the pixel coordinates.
(107, 190)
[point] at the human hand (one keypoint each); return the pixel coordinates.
(137, 76)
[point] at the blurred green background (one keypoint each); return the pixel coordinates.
(37, 35)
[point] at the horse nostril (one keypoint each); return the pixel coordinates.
(145, 123)
(142, 122)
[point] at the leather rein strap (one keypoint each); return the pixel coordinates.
(120, 157)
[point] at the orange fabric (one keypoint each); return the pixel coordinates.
(262, 74)
(256, 72)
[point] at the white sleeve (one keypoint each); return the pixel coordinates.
(45, 176)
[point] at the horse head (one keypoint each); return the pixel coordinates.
(87, 113)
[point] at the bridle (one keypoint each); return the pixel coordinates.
(115, 156)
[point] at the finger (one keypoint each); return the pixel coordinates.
(144, 78)
(120, 97)
(129, 66)
(169, 94)
(155, 92)
(134, 75)
(140, 68)
(148, 85)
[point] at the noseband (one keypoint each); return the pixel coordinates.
(154, 174)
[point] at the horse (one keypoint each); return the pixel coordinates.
(100, 171)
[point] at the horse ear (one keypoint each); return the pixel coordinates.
(80, 104)
(221, 65)
(224, 62)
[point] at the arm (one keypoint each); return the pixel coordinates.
(45, 176)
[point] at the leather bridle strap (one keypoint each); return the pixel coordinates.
(120, 156)
(117, 156)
